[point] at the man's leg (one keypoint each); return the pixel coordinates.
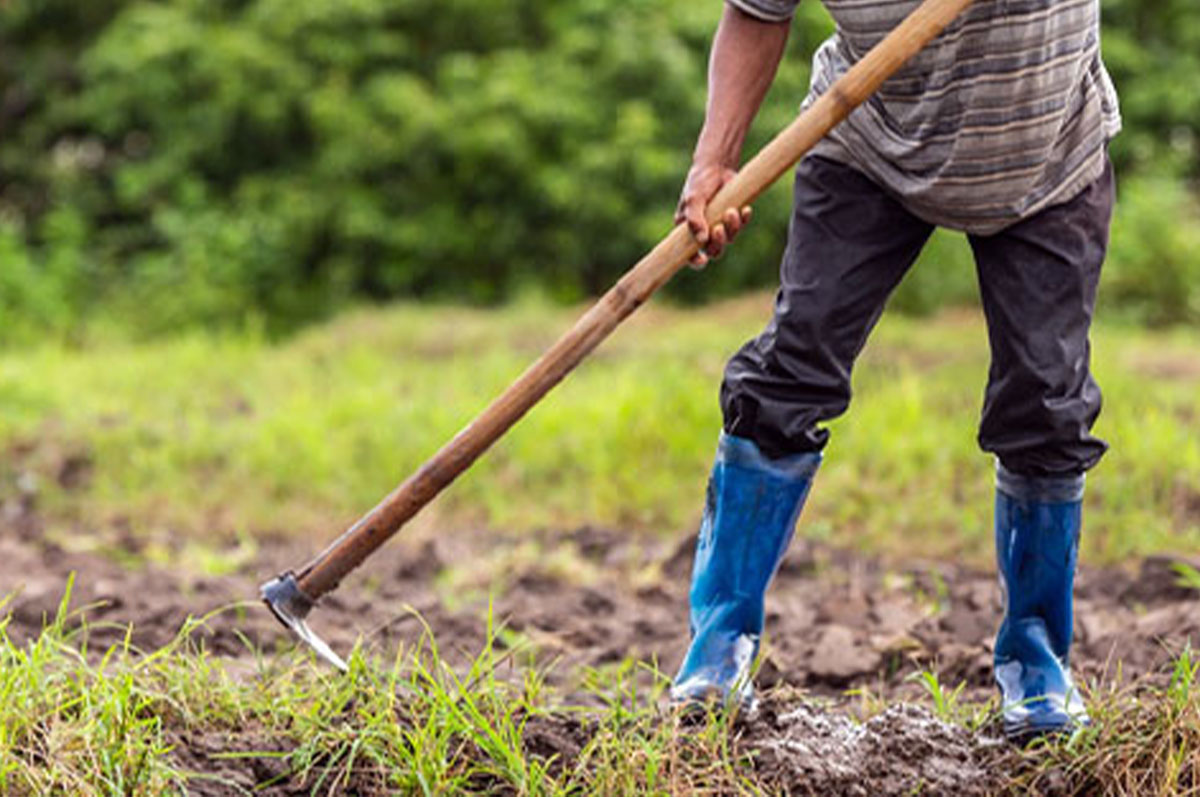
(1038, 282)
(848, 246)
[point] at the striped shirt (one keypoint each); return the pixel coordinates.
(1007, 112)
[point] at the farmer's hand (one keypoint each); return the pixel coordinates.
(703, 182)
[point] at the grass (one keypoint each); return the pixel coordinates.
(207, 437)
(73, 722)
(84, 722)
(949, 704)
(1144, 739)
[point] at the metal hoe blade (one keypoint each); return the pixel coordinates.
(290, 606)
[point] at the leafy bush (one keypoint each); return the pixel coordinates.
(1153, 269)
(1152, 51)
(217, 162)
(270, 159)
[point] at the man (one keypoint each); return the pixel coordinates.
(1000, 129)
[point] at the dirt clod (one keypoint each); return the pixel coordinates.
(838, 657)
(804, 749)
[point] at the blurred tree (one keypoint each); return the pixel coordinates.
(214, 162)
(1152, 49)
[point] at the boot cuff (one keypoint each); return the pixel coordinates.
(1043, 489)
(743, 452)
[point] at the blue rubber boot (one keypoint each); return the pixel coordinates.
(749, 516)
(1037, 540)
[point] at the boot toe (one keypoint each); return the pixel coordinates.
(701, 691)
(1023, 724)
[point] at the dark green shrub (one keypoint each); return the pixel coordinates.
(1153, 270)
(263, 162)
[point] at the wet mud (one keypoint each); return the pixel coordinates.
(836, 622)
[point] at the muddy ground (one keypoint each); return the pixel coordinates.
(591, 597)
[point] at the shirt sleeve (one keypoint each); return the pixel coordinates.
(767, 10)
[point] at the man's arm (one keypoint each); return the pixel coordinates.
(745, 54)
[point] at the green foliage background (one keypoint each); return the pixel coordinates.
(263, 163)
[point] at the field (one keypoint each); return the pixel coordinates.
(518, 635)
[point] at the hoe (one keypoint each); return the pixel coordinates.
(292, 595)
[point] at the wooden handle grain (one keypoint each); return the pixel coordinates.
(635, 287)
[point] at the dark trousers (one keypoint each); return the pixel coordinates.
(850, 243)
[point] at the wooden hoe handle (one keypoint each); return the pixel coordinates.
(324, 572)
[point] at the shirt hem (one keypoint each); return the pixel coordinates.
(747, 7)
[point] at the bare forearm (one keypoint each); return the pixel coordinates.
(745, 56)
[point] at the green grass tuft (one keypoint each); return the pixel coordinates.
(118, 721)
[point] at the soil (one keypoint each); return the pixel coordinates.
(836, 622)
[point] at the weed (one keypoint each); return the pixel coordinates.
(103, 722)
(1186, 575)
(949, 705)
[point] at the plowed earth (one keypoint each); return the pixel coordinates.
(836, 622)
